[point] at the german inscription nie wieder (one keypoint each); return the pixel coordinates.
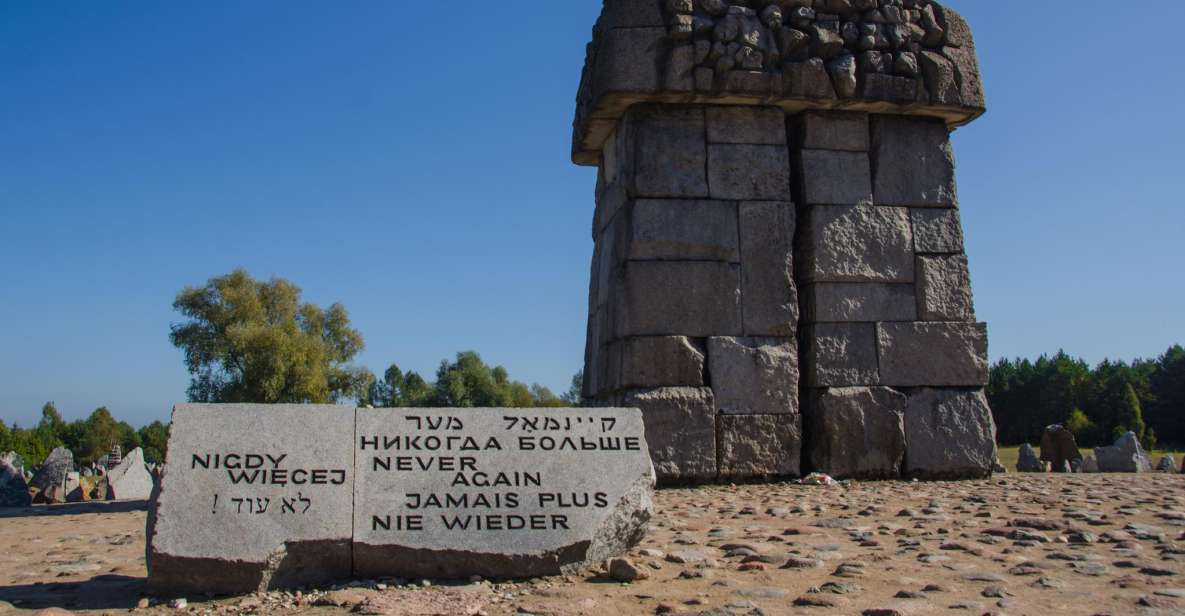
(497, 492)
(254, 497)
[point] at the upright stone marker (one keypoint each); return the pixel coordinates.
(501, 493)
(253, 497)
(130, 480)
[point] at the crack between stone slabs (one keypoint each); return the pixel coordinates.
(354, 492)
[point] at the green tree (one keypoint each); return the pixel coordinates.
(51, 421)
(253, 341)
(544, 398)
(1130, 417)
(1083, 429)
(154, 438)
(396, 390)
(1166, 410)
(5, 437)
(575, 394)
(100, 433)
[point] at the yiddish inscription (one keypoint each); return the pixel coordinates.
(458, 492)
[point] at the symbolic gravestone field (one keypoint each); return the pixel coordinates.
(256, 497)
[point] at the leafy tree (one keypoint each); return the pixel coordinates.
(575, 394)
(397, 389)
(51, 421)
(1130, 417)
(253, 341)
(1083, 429)
(543, 397)
(1166, 410)
(100, 432)
(154, 438)
(5, 437)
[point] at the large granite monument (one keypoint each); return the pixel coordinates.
(779, 279)
(257, 497)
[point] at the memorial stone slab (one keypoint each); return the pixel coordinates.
(253, 497)
(500, 493)
(130, 480)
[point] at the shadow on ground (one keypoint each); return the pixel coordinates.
(74, 509)
(98, 593)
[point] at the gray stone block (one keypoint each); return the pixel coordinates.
(933, 354)
(684, 230)
(669, 298)
(14, 489)
(254, 497)
(632, 14)
(757, 446)
(807, 80)
(625, 63)
(936, 230)
(857, 244)
(500, 493)
(828, 177)
(130, 480)
(746, 124)
(835, 130)
(50, 479)
(944, 289)
(669, 151)
(680, 429)
(949, 435)
(769, 294)
(661, 361)
(749, 172)
(859, 302)
(754, 376)
(912, 162)
(941, 81)
(857, 432)
(841, 355)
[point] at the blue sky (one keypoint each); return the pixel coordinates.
(411, 160)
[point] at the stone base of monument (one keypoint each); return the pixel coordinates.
(258, 497)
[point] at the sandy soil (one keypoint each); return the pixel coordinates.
(1018, 544)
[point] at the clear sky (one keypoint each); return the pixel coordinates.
(411, 160)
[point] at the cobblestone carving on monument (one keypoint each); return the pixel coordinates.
(779, 279)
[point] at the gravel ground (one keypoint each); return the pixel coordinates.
(1017, 544)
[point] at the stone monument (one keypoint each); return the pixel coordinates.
(778, 278)
(130, 479)
(257, 497)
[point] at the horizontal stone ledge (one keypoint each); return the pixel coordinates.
(259, 497)
(602, 121)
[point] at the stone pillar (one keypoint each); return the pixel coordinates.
(753, 164)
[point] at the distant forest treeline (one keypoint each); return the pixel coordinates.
(1098, 404)
(89, 439)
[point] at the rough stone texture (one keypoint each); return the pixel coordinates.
(1089, 465)
(1058, 447)
(746, 124)
(14, 490)
(944, 289)
(936, 231)
(660, 361)
(769, 294)
(949, 434)
(754, 446)
(208, 534)
(1124, 456)
(680, 430)
(842, 302)
(669, 150)
(857, 244)
(1166, 465)
(50, 479)
(130, 480)
(684, 230)
(1028, 461)
(697, 299)
(857, 432)
(916, 60)
(841, 355)
(754, 376)
(749, 172)
(582, 484)
(933, 354)
(912, 162)
(835, 130)
(73, 488)
(828, 177)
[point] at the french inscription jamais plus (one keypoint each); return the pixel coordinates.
(492, 482)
